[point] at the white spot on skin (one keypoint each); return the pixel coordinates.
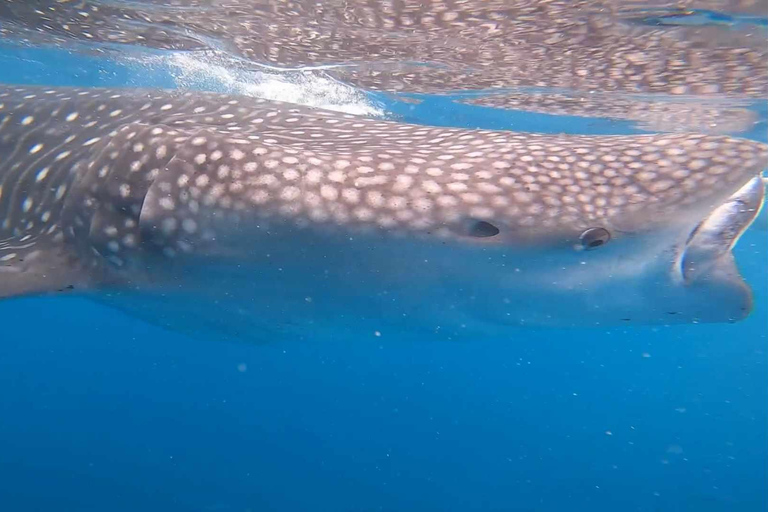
(363, 214)
(328, 192)
(402, 183)
(313, 176)
(375, 198)
(431, 187)
(457, 186)
(290, 193)
(291, 175)
(351, 195)
(260, 197)
(168, 226)
(36, 148)
(189, 226)
(341, 164)
(42, 174)
(27, 121)
(60, 192)
(167, 203)
(223, 172)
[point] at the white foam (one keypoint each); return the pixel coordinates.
(308, 87)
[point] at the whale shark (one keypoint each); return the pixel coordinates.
(252, 219)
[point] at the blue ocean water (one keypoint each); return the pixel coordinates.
(102, 412)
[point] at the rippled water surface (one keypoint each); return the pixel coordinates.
(102, 411)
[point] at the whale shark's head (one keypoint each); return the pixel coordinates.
(681, 272)
(281, 215)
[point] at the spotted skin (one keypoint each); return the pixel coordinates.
(435, 46)
(572, 49)
(149, 190)
(652, 114)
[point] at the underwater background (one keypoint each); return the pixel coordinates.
(102, 412)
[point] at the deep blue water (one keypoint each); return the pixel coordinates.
(101, 412)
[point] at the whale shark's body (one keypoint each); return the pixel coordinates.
(259, 219)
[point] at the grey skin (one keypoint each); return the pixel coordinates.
(238, 217)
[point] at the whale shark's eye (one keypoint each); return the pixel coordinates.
(594, 238)
(482, 229)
